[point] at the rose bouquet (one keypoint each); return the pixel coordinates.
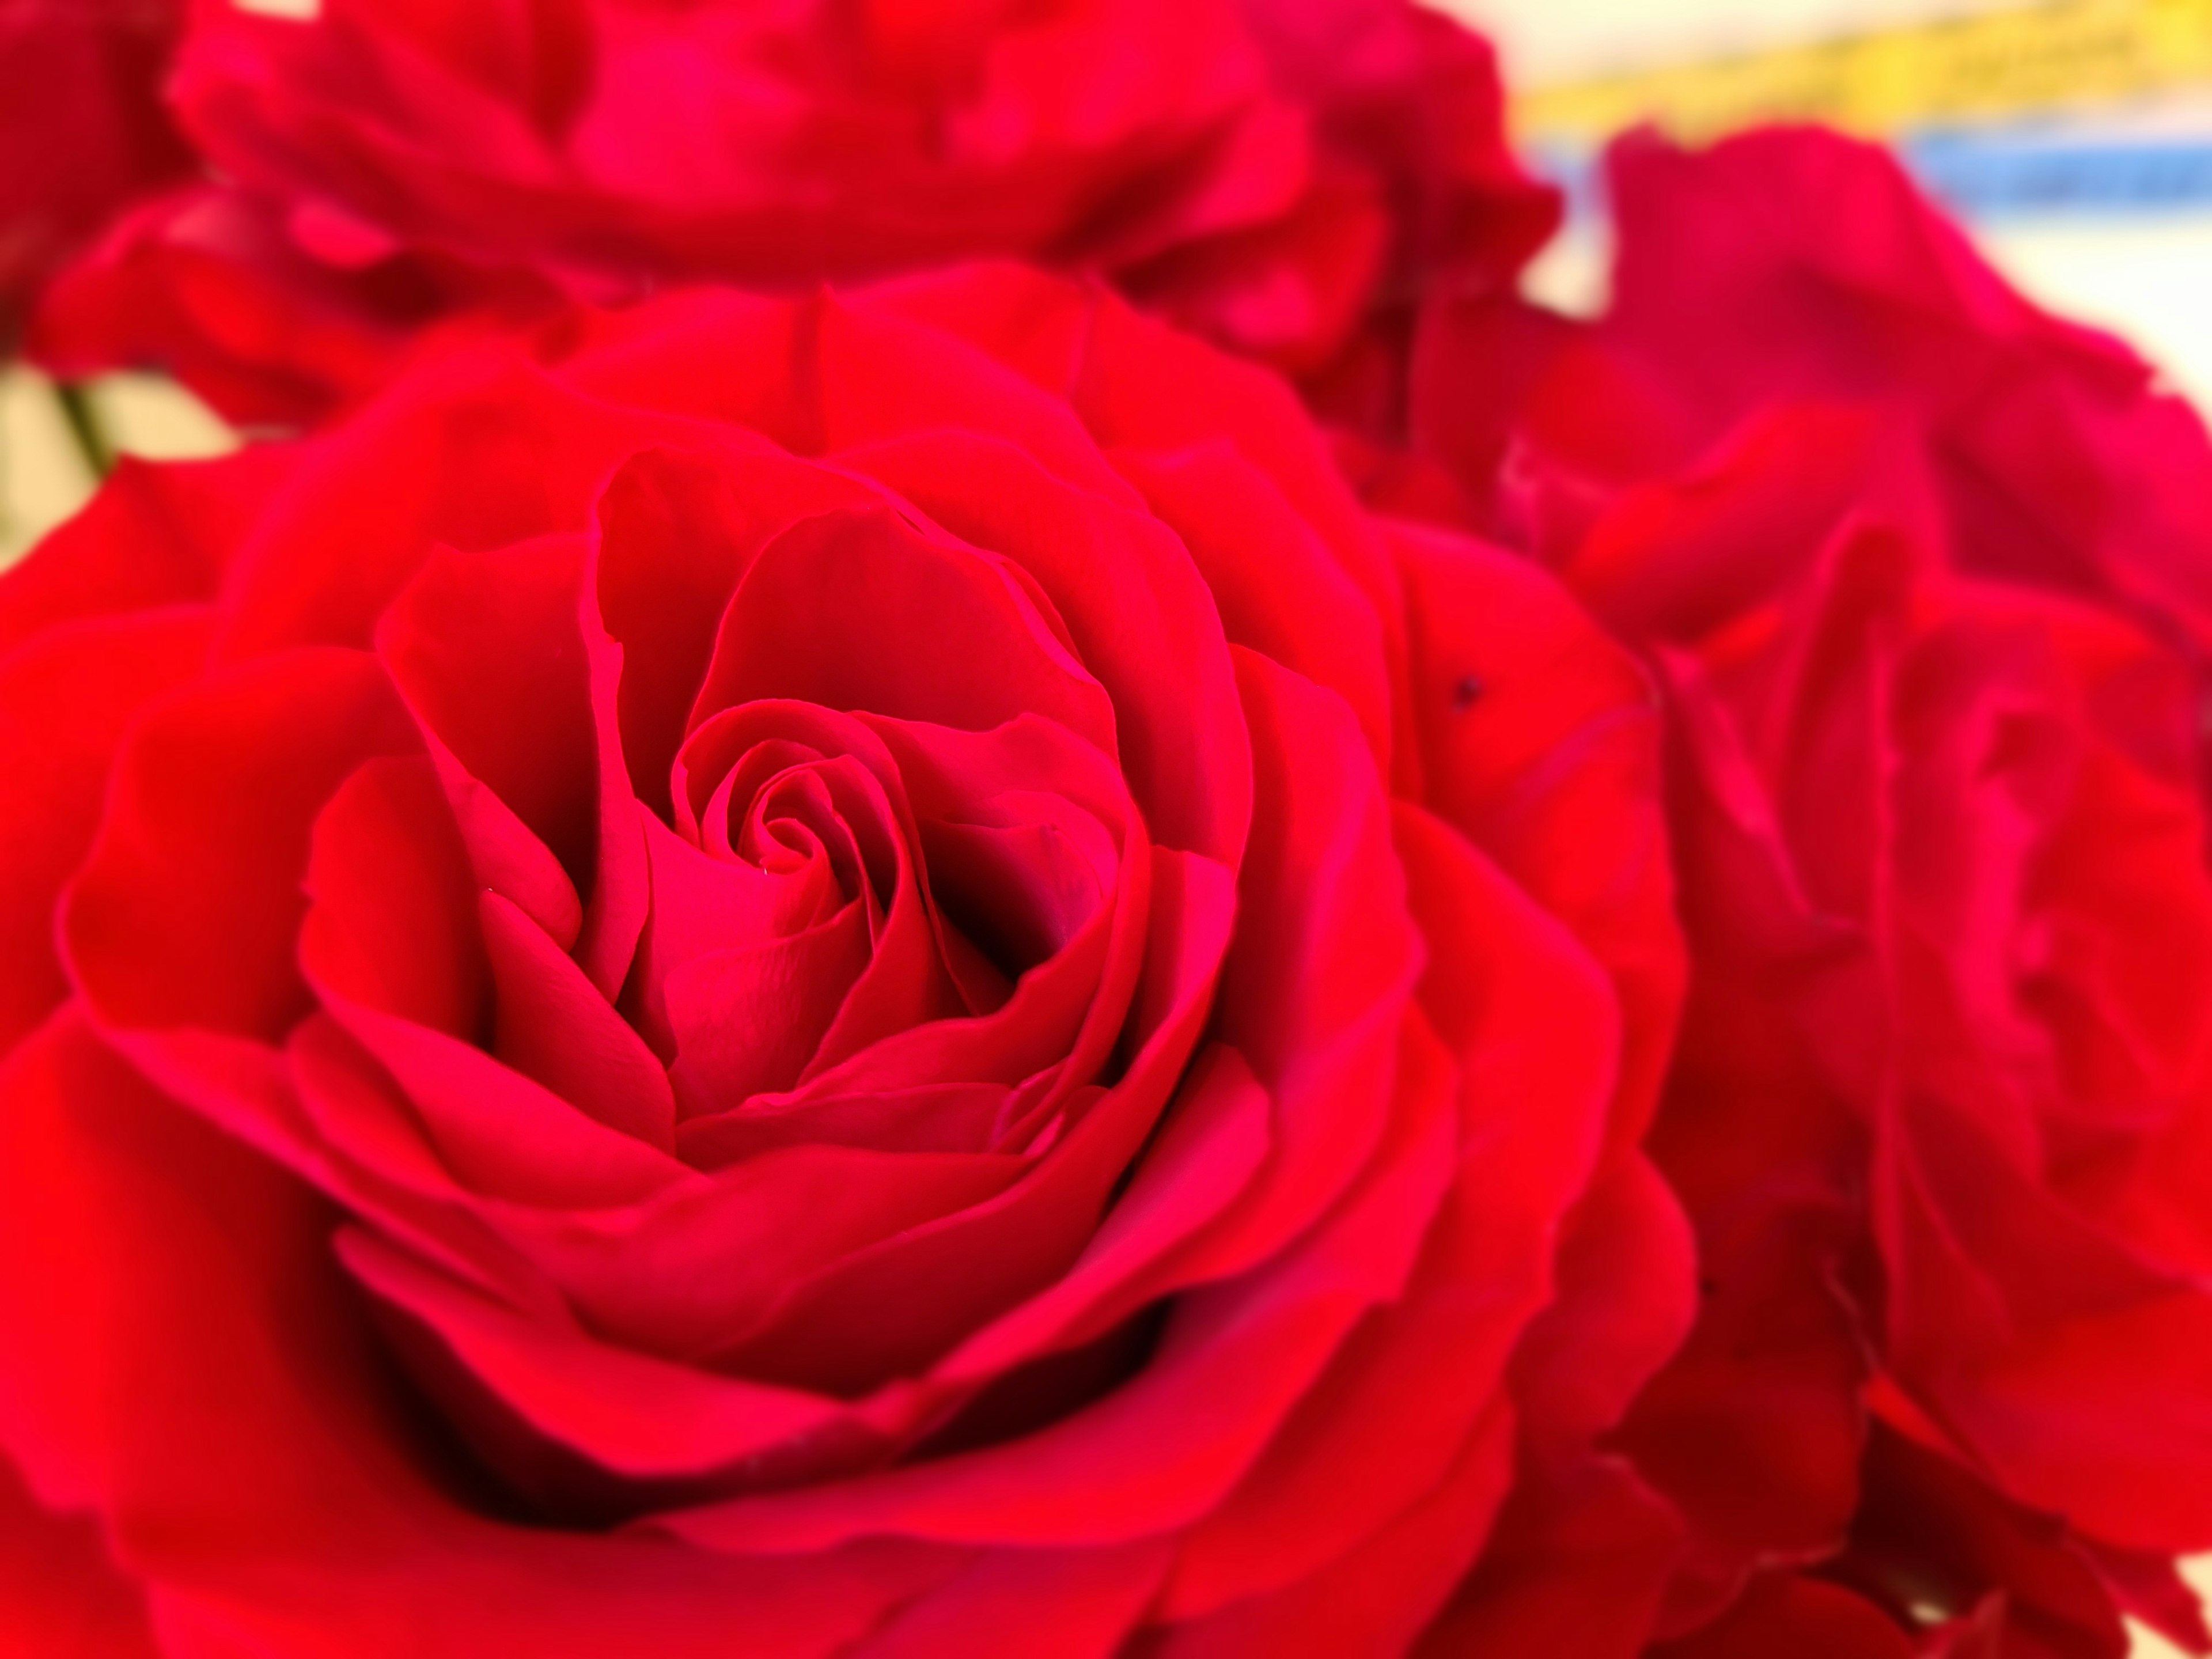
(951, 855)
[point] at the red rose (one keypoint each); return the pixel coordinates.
(842, 975)
(1273, 176)
(1920, 569)
(82, 132)
(2055, 453)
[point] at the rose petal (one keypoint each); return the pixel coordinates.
(1784, 1613)
(488, 650)
(269, 1484)
(824, 375)
(1577, 1556)
(392, 918)
(1524, 1014)
(677, 531)
(542, 1398)
(1540, 742)
(60, 1591)
(1152, 638)
(1324, 960)
(66, 699)
(1279, 587)
(1090, 1599)
(793, 631)
(150, 537)
(1249, 1349)
(980, 1263)
(551, 1024)
(186, 910)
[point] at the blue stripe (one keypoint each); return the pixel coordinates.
(1988, 177)
(1998, 176)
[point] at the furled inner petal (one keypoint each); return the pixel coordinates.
(826, 614)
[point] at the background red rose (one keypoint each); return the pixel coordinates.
(1918, 568)
(1795, 265)
(859, 970)
(83, 133)
(1280, 178)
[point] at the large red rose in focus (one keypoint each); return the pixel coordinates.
(1277, 177)
(82, 134)
(817, 976)
(1922, 571)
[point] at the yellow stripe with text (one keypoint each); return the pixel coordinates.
(2065, 56)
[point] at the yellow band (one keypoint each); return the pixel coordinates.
(2066, 54)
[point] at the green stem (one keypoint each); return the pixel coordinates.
(82, 418)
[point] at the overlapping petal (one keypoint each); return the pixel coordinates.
(853, 974)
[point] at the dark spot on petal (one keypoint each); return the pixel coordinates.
(1466, 693)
